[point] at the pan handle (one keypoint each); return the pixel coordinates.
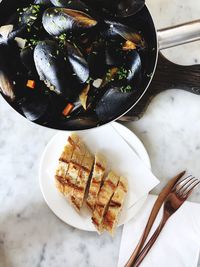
(177, 35)
(167, 76)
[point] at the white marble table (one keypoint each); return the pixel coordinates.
(30, 235)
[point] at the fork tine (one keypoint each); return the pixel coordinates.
(183, 183)
(190, 190)
(186, 185)
(182, 180)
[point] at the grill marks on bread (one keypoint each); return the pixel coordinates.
(78, 171)
(96, 180)
(105, 194)
(82, 180)
(64, 160)
(111, 217)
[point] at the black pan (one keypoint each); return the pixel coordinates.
(143, 22)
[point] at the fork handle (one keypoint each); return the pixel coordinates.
(149, 245)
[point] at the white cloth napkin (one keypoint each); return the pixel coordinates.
(178, 244)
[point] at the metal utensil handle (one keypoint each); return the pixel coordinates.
(177, 35)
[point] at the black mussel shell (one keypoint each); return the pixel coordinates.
(6, 83)
(118, 8)
(36, 107)
(112, 104)
(53, 68)
(57, 21)
(24, 20)
(26, 56)
(77, 61)
(127, 33)
(96, 59)
(81, 122)
(134, 65)
(42, 2)
(72, 4)
(127, 8)
(114, 54)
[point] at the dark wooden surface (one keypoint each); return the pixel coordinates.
(167, 76)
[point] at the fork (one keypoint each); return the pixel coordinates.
(181, 191)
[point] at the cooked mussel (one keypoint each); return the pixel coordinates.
(6, 83)
(72, 4)
(127, 33)
(77, 61)
(118, 8)
(23, 20)
(96, 59)
(42, 2)
(57, 21)
(36, 107)
(112, 104)
(26, 56)
(133, 64)
(81, 122)
(52, 67)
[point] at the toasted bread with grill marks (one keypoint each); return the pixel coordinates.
(74, 168)
(96, 180)
(112, 214)
(104, 196)
(82, 180)
(61, 171)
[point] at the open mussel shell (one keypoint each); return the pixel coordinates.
(77, 61)
(52, 67)
(57, 21)
(118, 8)
(127, 33)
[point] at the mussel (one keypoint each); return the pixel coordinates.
(6, 83)
(36, 107)
(81, 122)
(118, 8)
(57, 21)
(53, 68)
(26, 56)
(72, 4)
(112, 104)
(77, 61)
(42, 2)
(97, 61)
(127, 33)
(21, 22)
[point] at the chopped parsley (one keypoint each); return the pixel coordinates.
(126, 89)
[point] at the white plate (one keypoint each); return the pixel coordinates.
(56, 201)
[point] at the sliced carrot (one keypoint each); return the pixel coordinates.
(31, 84)
(67, 110)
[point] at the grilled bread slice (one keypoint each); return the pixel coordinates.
(96, 180)
(105, 194)
(82, 180)
(111, 217)
(74, 167)
(64, 160)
